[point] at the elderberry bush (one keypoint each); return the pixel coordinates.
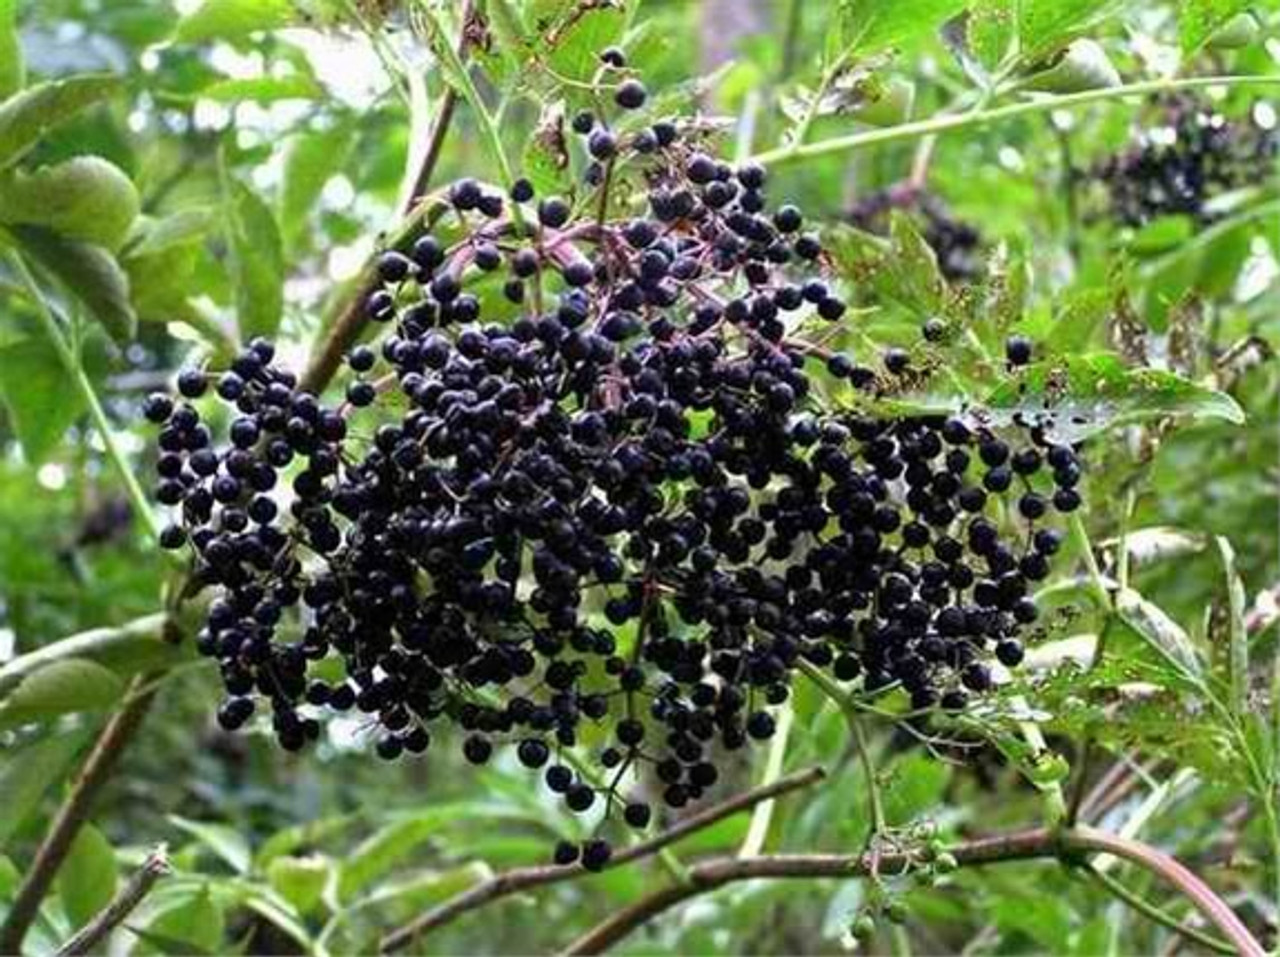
(956, 243)
(1179, 163)
(628, 507)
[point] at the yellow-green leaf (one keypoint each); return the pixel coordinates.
(84, 198)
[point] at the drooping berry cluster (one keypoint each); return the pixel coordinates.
(956, 243)
(624, 505)
(1192, 154)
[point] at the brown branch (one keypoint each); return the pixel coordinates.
(523, 878)
(121, 906)
(75, 809)
(1021, 845)
(417, 217)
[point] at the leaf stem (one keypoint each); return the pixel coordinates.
(797, 150)
(80, 380)
(1160, 916)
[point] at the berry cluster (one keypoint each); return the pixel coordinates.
(626, 506)
(1181, 163)
(956, 243)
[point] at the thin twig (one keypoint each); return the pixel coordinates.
(797, 149)
(1145, 907)
(524, 878)
(102, 760)
(1019, 845)
(121, 906)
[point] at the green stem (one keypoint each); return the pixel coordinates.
(1160, 916)
(1098, 583)
(82, 385)
(836, 695)
(797, 150)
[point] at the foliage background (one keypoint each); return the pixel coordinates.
(253, 153)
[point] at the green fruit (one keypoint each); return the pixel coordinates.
(864, 928)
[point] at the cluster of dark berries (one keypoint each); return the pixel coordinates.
(625, 505)
(956, 244)
(1179, 163)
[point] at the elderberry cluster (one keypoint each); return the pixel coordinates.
(956, 243)
(1177, 165)
(625, 504)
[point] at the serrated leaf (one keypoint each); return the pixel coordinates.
(194, 924)
(232, 19)
(224, 840)
(298, 836)
(27, 772)
(160, 260)
(1199, 20)
(256, 261)
(574, 41)
(309, 161)
(90, 273)
(1081, 395)
(33, 388)
(300, 880)
(871, 25)
(85, 198)
(1164, 635)
(1048, 25)
(26, 116)
(392, 843)
(87, 878)
(13, 69)
(63, 687)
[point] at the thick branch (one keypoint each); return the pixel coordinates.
(75, 811)
(1021, 845)
(523, 878)
(121, 906)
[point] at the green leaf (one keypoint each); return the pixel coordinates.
(160, 261)
(193, 925)
(395, 841)
(311, 833)
(310, 160)
(546, 156)
(1082, 395)
(91, 274)
(13, 70)
(256, 261)
(63, 687)
(300, 880)
(87, 878)
(85, 198)
(232, 19)
(574, 40)
(1161, 633)
(40, 404)
(871, 25)
(1048, 25)
(1199, 20)
(225, 841)
(263, 89)
(30, 114)
(1238, 651)
(27, 772)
